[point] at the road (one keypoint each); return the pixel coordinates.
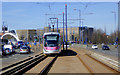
(13, 58)
(112, 53)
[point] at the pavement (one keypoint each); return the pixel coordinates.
(78, 63)
(68, 64)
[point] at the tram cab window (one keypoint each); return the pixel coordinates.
(51, 41)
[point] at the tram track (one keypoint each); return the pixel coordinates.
(110, 68)
(90, 65)
(89, 69)
(23, 66)
(43, 67)
(24, 60)
(47, 67)
(89, 60)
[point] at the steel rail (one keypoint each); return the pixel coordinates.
(110, 68)
(23, 67)
(88, 68)
(24, 60)
(46, 69)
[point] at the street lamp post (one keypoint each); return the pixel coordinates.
(39, 38)
(115, 22)
(66, 23)
(82, 33)
(57, 24)
(49, 27)
(79, 24)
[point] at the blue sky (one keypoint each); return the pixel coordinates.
(31, 15)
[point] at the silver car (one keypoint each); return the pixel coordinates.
(24, 49)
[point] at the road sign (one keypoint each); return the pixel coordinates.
(35, 43)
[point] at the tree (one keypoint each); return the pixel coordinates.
(98, 36)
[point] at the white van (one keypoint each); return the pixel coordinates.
(10, 46)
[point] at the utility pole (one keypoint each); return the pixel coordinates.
(115, 23)
(63, 31)
(80, 25)
(82, 33)
(66, 23)
(49, 27)
(57, 24)
(39, 39)
(53, 28)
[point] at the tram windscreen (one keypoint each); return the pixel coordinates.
(51, 41)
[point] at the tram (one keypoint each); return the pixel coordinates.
(51, 43)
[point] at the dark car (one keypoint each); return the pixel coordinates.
(2, 51)
(105, 47)
(20, 44)
(29, 49)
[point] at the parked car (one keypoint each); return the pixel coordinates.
(105, 47)
(7, 51)
(19, 44)
(24, 49)
(29, 49)
(72, 43)
(2, 51)
(10, 46)
(94, 47)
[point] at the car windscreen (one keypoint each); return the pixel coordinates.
(105, 46)
(24, 47)
(6, 48)
(73, 42)
(20, 42)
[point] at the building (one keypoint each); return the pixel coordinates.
(74, 33)
(28, 35)
(31, 34)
